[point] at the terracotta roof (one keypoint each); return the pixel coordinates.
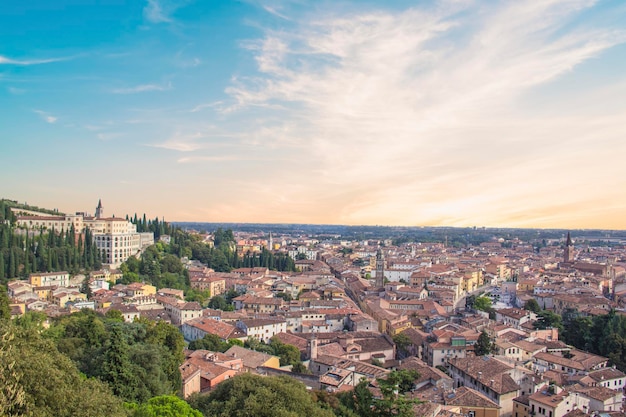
(597, 393)
(605, 374)
(493, 373)
(225, 331)
(551, 400)
(251, 359)
(464, 396)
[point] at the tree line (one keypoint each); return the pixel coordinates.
(24, 252)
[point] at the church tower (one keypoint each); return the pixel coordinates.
(380, 269)
(99, 210)
(568, 255)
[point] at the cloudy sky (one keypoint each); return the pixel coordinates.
(454, 112)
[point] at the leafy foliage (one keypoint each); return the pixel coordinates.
(47, 251)
(532, 305)
(603, 335)
(164, 406)
(5, 310)
(361, 402)
(402, 342)
(213, 343)
(252, 395)
(482, 303)
(37, 380)
(484, 346)
(137, 360)
(218, 302)
(547, 319)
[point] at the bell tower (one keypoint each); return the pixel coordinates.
(380, 269)
(99, 210)
(568, 255)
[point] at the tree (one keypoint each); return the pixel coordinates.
(12, 395)
(51, 385)
(164, 406)
(532, 305)
(482, 303)
(5, 310)
(217, 302)
(117, 366)
(402, 342)
(578, 333)
(288, 354)
(484, 346)
(85, 288)
(210, 342)
(547, 319)
(393, 402)
(252, 395)
(398, 382)
(2, 267)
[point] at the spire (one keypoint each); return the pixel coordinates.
(99, 210)
(568, 253)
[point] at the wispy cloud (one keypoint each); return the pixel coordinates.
(153, 12)
(16, 91)
(220, 158)
(46, 116)
(25, 62)
(183, 143)
(275, 12)
(416, 102)
(213, 105)
(108, 136)
(142, 88)
(161, 11)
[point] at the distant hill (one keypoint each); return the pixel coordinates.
(453, 235)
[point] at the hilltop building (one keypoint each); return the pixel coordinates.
(116, 238)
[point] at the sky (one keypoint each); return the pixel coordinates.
(415, 113)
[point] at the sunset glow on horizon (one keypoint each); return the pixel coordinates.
(449, 113)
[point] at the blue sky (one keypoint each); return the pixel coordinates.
(455, 112)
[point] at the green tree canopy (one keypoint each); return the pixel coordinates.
(547, 319)
(482, 303)
(252, 395)
(5, 310)
(532, 305)
(164, 406)
(484, 346)
(402, 342)
(49, 385)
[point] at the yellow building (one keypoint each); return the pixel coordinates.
(45, 279)
(106, 275)
(472, 279)
(521, 408)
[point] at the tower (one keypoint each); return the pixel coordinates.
(568, 255)
(99, 210)
(271, 243)
(380, 269)
(313, 347)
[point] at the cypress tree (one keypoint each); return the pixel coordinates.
(2, 267)
(12, 265)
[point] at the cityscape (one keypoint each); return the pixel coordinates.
(346, 208)
(500, 322)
